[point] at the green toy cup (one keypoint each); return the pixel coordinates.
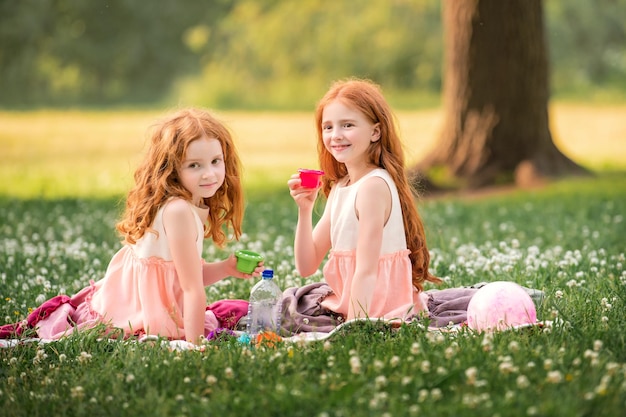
(247, 260)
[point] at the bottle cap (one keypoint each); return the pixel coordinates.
(268, 273)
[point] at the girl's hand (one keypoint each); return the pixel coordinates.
(304, 197)
(231, 265)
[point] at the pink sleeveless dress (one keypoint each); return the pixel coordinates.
(395, 297)
(139, 294)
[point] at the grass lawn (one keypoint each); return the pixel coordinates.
(567, 239)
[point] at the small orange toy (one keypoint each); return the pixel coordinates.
(267, 339)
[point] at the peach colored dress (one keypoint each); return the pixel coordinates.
(395, 297)
(139, 294)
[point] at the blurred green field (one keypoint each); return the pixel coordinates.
(47, 154)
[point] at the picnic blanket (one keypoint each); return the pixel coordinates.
(304, 318)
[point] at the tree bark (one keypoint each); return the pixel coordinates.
(496, 93)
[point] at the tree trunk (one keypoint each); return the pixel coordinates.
(496, 94)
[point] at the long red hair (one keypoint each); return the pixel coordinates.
(387, 153)
(156, 178)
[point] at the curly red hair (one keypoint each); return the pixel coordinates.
(156, 178)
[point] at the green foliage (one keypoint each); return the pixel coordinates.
(285, 53)
(587, 43)
(565, 239)
(64, 52)
(268, 55)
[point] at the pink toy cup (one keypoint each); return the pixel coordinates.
(310, 178)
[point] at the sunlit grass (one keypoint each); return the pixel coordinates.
(83, 153)
(566, 239)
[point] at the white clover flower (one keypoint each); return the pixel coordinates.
(507, 368)
(40, 356)
(378, 364)
(355, 365)
(590, 354)
(436, 394)
(558, 294)
(330, 361)
(601, 389)
(450, 352)
(486, 342)
(77, 392)
(394, 361)
(373, 402)
(211, 380)
(471, 374)
(228, 373)
(323, 378)
(422, 395)
(522, 381)
(415, 348)
(380, 381)
(612, 367)
(470, 400)
(425, 366)
(597, 345)
(514, 346)
(554, 377)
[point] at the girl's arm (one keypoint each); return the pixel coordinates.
(373, 206)
(181, 233)
(310, 245)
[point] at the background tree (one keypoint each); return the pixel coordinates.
(269, 55)
(496, 94)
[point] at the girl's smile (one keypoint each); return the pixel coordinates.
(340, 147)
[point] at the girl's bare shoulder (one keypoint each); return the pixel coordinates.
(177, 212)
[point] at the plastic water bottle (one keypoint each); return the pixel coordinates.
(265, 307)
